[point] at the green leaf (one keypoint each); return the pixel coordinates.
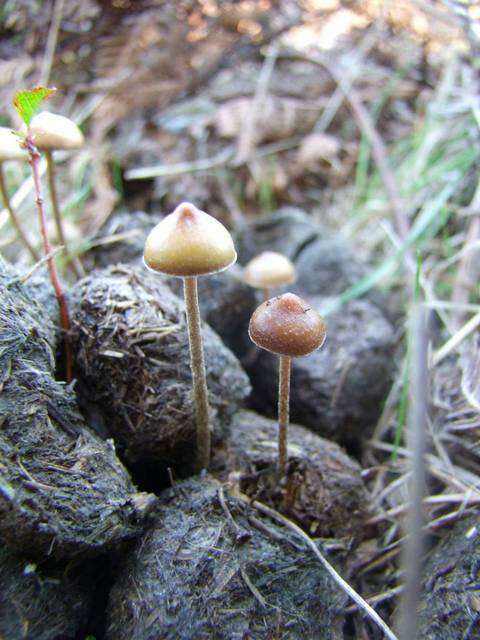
(27, 102)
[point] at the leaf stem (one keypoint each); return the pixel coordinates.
(52, 267)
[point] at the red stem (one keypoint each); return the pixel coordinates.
(52, 267)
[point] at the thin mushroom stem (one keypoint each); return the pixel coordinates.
(283, 413)
(14, 218)
(74, 261)
(266, 294)
(52, 267)
(199, 378)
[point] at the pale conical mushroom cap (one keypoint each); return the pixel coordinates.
(51, 131)
(269, 269)
(189, 242)
(287, 326)
(10, 148)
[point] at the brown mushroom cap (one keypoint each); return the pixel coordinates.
(269, 269)
(10, 148)
(189, 242)
(51, 131)
(287, 326)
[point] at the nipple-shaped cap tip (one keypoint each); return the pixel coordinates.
(289, 303)
(187, 212)
(269, 269)
(189, 242)
(287, 326)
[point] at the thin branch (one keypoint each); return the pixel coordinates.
(52, 268)
(379, 151)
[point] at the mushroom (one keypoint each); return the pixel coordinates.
(52, 132)
(288, 327)
(269, 270)
(189, 243)
(10, 149)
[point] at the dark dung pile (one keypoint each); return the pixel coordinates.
(38, 603)
(133, 361)
(63, 492)
(122, 238)
(287, 231)
(323, 490)
(220, 573)
(450, 607)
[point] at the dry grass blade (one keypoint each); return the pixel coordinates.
(456, 339)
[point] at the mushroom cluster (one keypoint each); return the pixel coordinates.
(189, 243)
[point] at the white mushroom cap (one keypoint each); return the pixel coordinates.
(10, 148)
(51, 131)
(269, 269)
(189, 242)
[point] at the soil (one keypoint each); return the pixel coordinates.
(323, 490)
(63, 492)
(133, 363)
(222, 573)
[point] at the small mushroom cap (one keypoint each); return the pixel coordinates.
(189, 242)
(269, 269)
(10, 148)
(51, 131)
(287, 326)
